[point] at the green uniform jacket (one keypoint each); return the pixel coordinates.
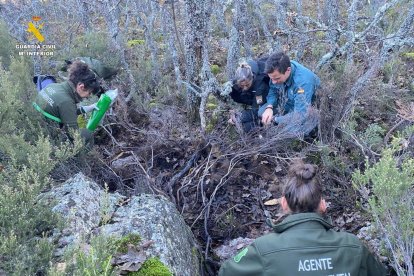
(304, 244)
(59, 100)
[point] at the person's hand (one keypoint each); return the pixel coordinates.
(267, 116)
(232, 117)
(89, 108)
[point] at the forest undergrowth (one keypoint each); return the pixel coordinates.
(168, 134)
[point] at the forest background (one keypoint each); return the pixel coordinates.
(171, 116)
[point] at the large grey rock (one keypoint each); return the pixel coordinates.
(155, 218)
(86, 207)
(83, 204)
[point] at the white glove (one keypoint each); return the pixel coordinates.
(89, 108)
(226, 89)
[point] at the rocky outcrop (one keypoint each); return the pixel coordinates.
(88, 211)
(155, 218)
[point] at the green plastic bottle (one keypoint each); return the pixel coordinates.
(103, 104)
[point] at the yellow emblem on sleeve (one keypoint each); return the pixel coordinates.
(301, 90)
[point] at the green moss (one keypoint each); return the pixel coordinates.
(81, 121)
(409, 55)
(212, 123)
(153, 103)
(212, 103)
(152, 267)
(215, 69)
(194, 251)
(211, 106)
(133, 42)
(122, 244)
(320, 35)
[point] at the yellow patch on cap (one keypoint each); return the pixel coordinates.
(301, 90)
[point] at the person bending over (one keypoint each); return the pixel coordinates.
(250, 88)
(58, 101)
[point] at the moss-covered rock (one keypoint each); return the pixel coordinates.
(122, 243)
(152, 267)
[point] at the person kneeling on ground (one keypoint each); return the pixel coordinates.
(291, 93)
(304, 243)
(250, 87)
(58, 101)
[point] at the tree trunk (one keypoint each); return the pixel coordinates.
(196, 30)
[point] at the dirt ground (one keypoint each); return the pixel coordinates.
(225, 184)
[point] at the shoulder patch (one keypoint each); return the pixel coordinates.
(301, 90)
(240, 255)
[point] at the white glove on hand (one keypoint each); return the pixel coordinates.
(226, 89)
(89, 108)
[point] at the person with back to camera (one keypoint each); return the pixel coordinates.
(58, 101)
(304, 243)
(250, 87)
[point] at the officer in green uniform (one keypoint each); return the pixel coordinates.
(304, 243)
(58, 101)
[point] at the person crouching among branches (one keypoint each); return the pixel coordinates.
(250, 87)
(58, 101)
(291, 94)
(304, 243)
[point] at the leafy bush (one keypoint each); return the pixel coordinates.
(6, 45)
(388, 187)
(373, 136)
(27, 156)
(90, 44)
(93, 259)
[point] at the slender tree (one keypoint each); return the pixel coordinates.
(198, 16)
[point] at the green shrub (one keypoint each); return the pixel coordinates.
(6, 45)
(93, 259)
(27, 156)
(391, 69)
(95, 45)
(131, 43)
(388, 188)
(373, 136)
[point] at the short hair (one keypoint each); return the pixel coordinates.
(79, 72)
(243, 73)
(302, 190)
(277, 61)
